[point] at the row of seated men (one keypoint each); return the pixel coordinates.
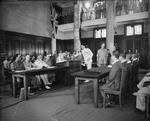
(132, 83)
(22, 62)
(114, 81)
(18, 63)
(118, 60)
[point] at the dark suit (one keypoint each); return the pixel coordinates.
(135, 70)
(124, 64)
(114, 77)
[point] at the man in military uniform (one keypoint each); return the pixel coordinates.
(102, 56)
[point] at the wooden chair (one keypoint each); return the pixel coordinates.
(128, 80)
(7, 79)
(120, 93)
(135, 74)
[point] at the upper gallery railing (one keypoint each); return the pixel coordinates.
(97, 10)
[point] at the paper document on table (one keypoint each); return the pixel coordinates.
(93, 70)
(34, 68)
(109, 66)
(20, 71)
(52, 67)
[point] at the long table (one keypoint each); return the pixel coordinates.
(24, 73)
(95, 77)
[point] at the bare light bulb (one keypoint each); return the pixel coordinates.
(87, 5)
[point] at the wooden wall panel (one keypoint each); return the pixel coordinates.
(13, 43)
(65, 45)
(24, 43)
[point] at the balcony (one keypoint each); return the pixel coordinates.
(98, 10)
(102, 22)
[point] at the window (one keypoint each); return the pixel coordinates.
(134, 29)
(100, 33)
(138, 29)
(103, 33)
(129, 30)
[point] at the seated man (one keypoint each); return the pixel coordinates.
(77, 55)
(129, 73)
(128, 58)
(17, 65)
(40, 64)
(6, 63)
(129, 65)
(48, 61)
(144, 88)
(7, 74)
(135, 72)
(28, 66)
(122, 59)
(60, 57)
(114, 76)
(134, 58)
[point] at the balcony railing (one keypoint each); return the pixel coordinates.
(123, 7)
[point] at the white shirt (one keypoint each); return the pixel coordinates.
(60, 58)
(87, 55)
(115, 61)
(134, 59)
(123, 61)
(6, 64)
(40, 64)
(145, 79)
(128, 61)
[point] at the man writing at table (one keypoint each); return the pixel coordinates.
(113, 82)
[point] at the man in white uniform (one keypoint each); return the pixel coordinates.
(87, 56)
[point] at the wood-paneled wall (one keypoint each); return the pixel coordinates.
(65, 45)
(122, 43)
(24, 44)
(12, 43)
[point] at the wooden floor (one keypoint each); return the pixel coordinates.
(59, 105)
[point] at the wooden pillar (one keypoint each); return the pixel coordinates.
(53, 42)
(54, 23)
(110, 16)
(77, 22)
(149, 30)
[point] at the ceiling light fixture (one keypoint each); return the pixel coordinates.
(87, 5)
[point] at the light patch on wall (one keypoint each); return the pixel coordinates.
(26, 17)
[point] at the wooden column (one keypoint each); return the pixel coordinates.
(53, 45)
(110, 16)
(149, 30)
(77, 22)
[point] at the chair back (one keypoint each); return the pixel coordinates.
(135, 69)
(123, 78)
